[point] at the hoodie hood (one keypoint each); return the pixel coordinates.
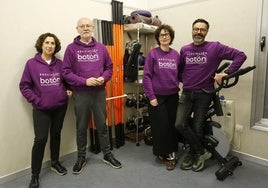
(77, 40)
(38, 58)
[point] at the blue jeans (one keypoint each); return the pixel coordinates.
(191, 115)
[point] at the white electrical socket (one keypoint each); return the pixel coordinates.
(239, 128)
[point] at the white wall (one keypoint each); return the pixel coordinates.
(22, 21)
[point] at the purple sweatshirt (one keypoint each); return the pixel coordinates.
(161, 73)
(201, 62)
(82, 61)
(42, 84)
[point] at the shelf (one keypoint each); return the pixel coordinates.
(132, 136)
(144, 34)
(143, 28)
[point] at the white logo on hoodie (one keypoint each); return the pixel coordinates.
(87, 55)
(49, 79)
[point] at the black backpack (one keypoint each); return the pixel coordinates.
(132, 51)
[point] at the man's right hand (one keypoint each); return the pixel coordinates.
(92, 81)
(218, 77)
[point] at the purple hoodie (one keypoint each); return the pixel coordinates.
(82, 61)
(161, 73)
(42, 84)
(201, 62)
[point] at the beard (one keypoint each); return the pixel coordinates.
(198, 38)
(87, 35)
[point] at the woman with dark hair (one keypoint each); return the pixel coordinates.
(42, 85)
(161, 86)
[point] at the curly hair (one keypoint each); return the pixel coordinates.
(167, 28)
(42, 38)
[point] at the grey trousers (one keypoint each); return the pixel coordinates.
(86, 104)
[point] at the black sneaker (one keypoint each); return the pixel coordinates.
(58, 168)
(110, 160)
(34, 183)
(79, 166)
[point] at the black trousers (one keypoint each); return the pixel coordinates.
(162, 119)
(45, 121)
(193, 106)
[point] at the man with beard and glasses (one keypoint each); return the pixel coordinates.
(199, 62)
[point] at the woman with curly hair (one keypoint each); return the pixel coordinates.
(43, 86)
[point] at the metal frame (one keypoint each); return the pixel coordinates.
(259, 76)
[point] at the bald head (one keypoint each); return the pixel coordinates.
(85, 29)
(83, 21)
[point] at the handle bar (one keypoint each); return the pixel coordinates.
(225, 80)
(222, 67)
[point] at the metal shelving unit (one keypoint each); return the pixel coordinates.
(144, 34)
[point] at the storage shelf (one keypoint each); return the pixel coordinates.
(141, 27)
(144, 34)
(132, 136)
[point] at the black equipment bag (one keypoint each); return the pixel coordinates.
(131, 54)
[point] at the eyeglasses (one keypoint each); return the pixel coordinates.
(202, 30)
(85, 26)
(164, 35)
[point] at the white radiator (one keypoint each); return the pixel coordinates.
(225, 135)
(227, 121)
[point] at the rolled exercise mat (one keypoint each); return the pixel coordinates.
(142, 12)
(136, 18)
(156, 21)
